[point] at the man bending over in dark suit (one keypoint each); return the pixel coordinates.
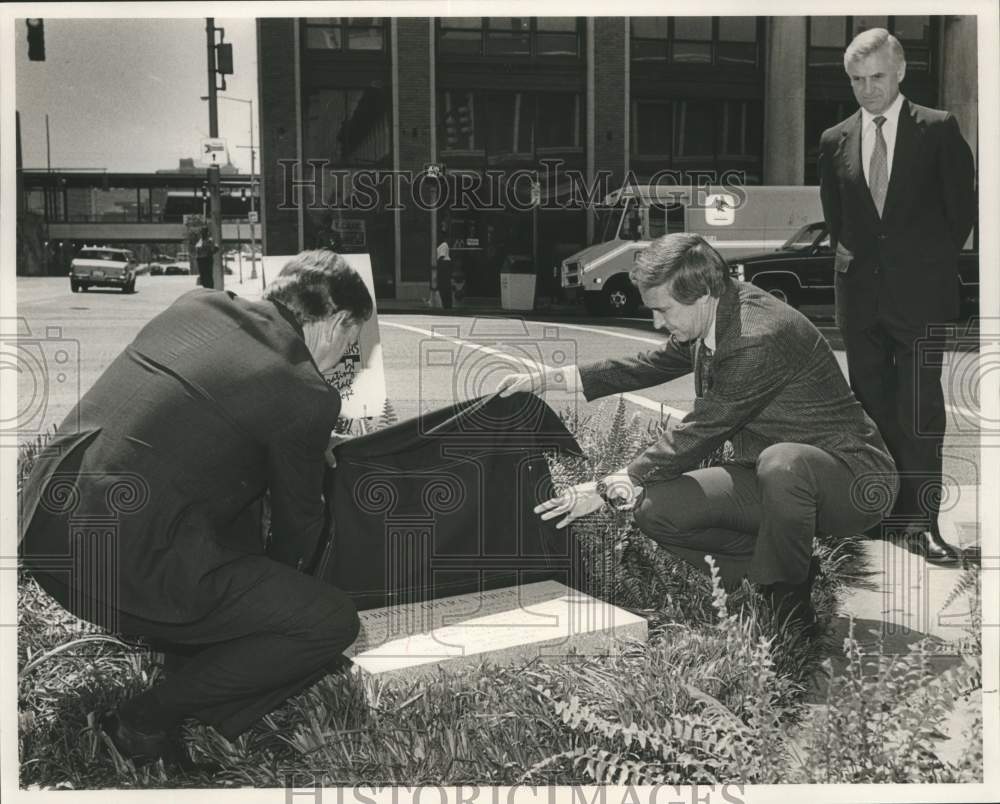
(897, 186)
(806, 456)
(140, 517)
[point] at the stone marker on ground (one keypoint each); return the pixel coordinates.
(543, 620)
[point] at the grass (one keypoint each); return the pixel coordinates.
(715, 695)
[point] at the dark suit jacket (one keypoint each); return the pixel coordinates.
(216, 399)
(928, 214)
(773, 379)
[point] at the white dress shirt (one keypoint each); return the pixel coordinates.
(889, 128)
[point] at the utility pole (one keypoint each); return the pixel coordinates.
(49, 193)
(215, 226)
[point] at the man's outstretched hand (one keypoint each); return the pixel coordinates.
(574, 502)
(538, 382)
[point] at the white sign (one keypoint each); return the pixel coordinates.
(252, 217)
(720, 210)
(213, 151)
(360, 375)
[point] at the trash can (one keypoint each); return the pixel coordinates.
(517, 283)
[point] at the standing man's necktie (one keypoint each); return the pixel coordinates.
(878, 168)
(703, 364)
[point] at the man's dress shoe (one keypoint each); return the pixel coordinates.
(140, 746)
(931, 546)
(792, 602)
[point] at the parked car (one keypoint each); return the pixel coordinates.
(156, 268)
(103, 267)
(177, 269)
(801, 271)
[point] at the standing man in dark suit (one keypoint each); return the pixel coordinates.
(140, 515)
(897, 186)
(806, 456)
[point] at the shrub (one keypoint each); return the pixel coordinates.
(715, 694)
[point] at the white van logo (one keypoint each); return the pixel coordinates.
(720, 209)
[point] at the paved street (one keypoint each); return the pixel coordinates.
(479, 349)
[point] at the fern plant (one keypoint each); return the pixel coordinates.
(702, 740)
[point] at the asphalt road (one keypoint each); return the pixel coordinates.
(430, 359)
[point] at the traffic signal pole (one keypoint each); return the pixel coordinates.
(215, 202)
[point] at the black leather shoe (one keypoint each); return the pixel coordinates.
(931, 546)
(140, 746)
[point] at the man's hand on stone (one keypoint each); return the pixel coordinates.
(575, 502)
(335, 440)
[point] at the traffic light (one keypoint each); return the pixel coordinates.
(451, 129)
(36, 39)
(464, 120)
(224, 58)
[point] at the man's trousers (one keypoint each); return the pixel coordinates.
(757, 521)
(895, 372)
(248, 654)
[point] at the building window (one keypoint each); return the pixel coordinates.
(699, 134)
(349, 127)
(509, 36)
(558, 124)
(355, 34)
(458, 117)
(829, 37)
(820, 115)
(708, 41)
(510, 124)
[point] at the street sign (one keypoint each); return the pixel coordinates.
(253, 217)
(213, 151)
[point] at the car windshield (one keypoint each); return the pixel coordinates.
(804, 237)
(608, 219)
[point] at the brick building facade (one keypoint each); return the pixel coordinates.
(494, 101)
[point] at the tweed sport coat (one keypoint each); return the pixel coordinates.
(773, 379)
(215, 400)
(904, 264)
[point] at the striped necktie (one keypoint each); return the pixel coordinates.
(878, 167)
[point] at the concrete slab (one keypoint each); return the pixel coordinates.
(910, 597)
(544, 620)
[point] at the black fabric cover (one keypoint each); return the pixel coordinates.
(442, 504)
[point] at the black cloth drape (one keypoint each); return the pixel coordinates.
(442, 504)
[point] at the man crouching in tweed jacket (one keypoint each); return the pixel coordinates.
(807, 457)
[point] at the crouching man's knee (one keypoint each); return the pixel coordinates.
(336, 624)
(781, 468)
(655, 520)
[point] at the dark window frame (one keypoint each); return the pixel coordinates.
(355, 163)
(718, 158)
(668, 45)
(927, 44)
(480, 111)
(442, 28)
(345, 28)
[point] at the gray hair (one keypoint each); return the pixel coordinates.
(315, 285)
(686, 263)
(871, 41)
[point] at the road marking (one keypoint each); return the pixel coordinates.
(639, 338)
(635, 399)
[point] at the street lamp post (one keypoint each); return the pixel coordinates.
(253, 181)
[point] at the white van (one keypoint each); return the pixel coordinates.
(738, 221)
